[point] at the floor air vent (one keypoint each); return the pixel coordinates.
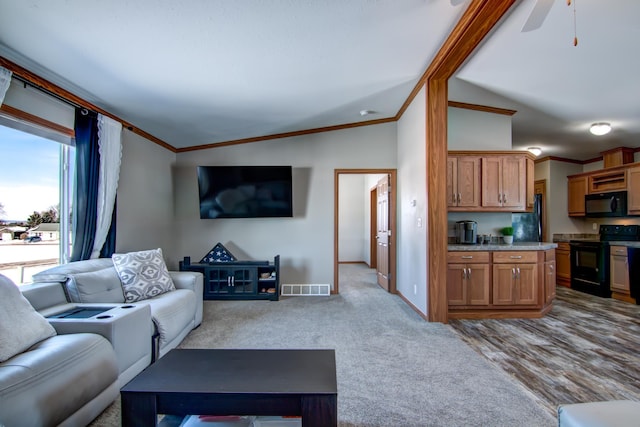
(305, 290)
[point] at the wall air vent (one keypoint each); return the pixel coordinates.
(305, 290)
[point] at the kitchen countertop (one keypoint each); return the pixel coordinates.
(516, 246)
(566, 237)
(627, 244)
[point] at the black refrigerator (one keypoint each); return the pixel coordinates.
(527, 227)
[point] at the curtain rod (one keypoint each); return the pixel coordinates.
(26, 83)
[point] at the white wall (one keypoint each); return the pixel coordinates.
(145, 199)
(477, 130)
(352, 218)
(557, 192)
(304, 242)
(412, 239)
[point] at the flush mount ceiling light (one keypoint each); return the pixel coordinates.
(536, 151)
(601, 128)
(366, 112)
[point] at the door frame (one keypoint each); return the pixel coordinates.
(393, 188)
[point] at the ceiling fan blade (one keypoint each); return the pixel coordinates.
(537, 16)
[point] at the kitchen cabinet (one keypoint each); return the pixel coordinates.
(576, 190)
(463, 181)
(468, 276)
(549, 276)
(500, 283)
(515, 278)
(633, 191)
(504, 182)
(490, 181)
(563, 264)
(619, 271)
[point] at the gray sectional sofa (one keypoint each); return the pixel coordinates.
(70, 377)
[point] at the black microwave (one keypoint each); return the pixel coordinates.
(601, 205)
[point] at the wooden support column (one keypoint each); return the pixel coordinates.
(475, 24)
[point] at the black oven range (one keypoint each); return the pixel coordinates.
(590, 258)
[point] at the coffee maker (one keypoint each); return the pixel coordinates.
(466, 232)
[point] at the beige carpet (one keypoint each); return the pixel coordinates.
(393, 368)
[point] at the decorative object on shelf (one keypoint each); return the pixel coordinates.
(507, 235)
(218, 254)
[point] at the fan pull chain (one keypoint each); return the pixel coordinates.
(575, 31)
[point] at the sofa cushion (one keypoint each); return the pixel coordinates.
(21, 326)
(143, 274)
(89, 281)
(171, 312)
(47, 384)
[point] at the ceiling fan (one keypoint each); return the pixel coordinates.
(537, 16)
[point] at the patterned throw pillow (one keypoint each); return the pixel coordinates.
(143, 274)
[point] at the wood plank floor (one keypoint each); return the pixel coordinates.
(586, 349)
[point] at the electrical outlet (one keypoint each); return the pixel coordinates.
(415, 289)
(595, 226)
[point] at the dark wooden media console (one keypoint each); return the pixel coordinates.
(238, 279)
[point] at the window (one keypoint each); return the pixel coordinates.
(35, 187)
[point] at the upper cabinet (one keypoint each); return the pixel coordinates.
(615, 178)
(490, 181)
(633, 191)
(577, 189)
(504, 182)
(463, 181)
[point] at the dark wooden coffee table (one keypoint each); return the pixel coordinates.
(235, 382)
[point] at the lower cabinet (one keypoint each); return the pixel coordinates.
(468, 283)
(563, 264)
(515, 278)
(619, 279)
(500, 283)
(239, 279)
(515, 284)
(549, 276)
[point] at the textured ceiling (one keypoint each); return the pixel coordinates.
(195, 72)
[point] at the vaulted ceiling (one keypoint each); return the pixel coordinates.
(197, 72)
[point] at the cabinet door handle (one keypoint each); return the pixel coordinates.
(499, 198)
(228, 280)
(459, 197)
(513, 273)
(515, 256)
(467, 257)
(464, 273)
(468, 273)
(453, 199)
(518, 270)
(504, 198)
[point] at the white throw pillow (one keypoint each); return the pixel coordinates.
(143, 274)
(21, 326)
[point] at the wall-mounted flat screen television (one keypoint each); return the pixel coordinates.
(245, 191)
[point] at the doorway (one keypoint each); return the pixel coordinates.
(388, 205)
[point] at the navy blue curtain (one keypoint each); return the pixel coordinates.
(85, 203)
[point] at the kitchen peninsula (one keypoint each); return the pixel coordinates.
(501, 281)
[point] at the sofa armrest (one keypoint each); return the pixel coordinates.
(193, 281)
